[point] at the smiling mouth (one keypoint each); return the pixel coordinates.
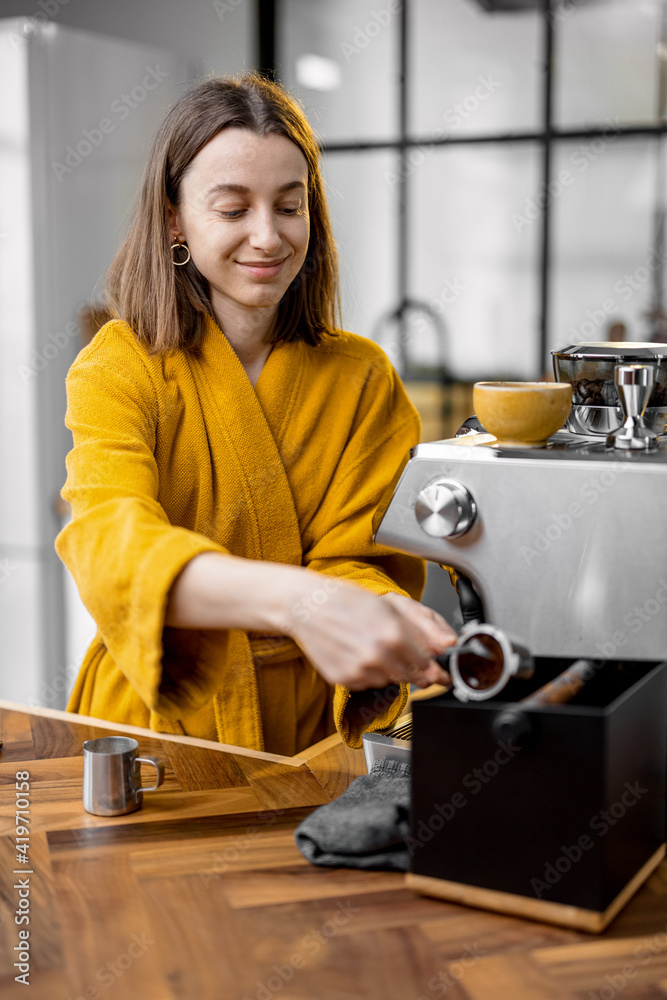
(261, 263)
(262, 268)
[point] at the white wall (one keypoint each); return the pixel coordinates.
(207, 36)
(19, 530)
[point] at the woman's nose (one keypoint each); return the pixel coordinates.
(264, 234)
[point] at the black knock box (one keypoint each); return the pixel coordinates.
(555, 813)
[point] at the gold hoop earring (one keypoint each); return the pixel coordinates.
(179, 246)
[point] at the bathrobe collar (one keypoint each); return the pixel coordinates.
(252, 422)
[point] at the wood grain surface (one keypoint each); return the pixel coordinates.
(203, 894)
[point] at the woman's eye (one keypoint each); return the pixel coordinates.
(236, 213)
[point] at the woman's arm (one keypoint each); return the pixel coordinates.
(225, 591)
(120, 546)
(351, 636)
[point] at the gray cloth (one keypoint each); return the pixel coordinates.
(366, 827)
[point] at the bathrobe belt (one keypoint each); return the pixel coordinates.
(267, 649)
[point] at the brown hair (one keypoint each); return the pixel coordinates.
(166, 305)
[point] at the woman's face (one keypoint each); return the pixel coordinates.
(244, 215)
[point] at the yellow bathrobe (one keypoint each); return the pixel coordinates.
(177, 455)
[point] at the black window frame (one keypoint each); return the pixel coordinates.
(546, 137)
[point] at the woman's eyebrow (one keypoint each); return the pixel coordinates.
(242, 189)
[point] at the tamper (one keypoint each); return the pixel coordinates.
(634, 384)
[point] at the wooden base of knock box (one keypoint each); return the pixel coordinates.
(535, 909)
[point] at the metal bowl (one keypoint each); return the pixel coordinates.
(602, 420)
(594, 419)
(589, 368)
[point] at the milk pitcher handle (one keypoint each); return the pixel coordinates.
(159, 767)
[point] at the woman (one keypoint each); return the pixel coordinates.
(230, 448)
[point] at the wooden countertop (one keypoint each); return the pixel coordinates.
(203, 893)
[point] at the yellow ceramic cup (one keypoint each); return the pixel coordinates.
(522, 414)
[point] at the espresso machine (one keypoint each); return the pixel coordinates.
(546, 806)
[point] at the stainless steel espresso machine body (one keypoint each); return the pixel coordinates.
(566, 545)
(552, 811)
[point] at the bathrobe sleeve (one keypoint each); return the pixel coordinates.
(120, 547)
(385, 427)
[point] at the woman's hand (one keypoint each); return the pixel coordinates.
(441, 633)
(359, 640)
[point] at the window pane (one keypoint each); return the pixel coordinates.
(607, 62)
(603, 238)
(471, 260)
(362, 206)
(472, 71)
(351, 93)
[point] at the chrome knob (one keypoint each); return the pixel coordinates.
(445, 509)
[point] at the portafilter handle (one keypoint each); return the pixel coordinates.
(634, 384)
